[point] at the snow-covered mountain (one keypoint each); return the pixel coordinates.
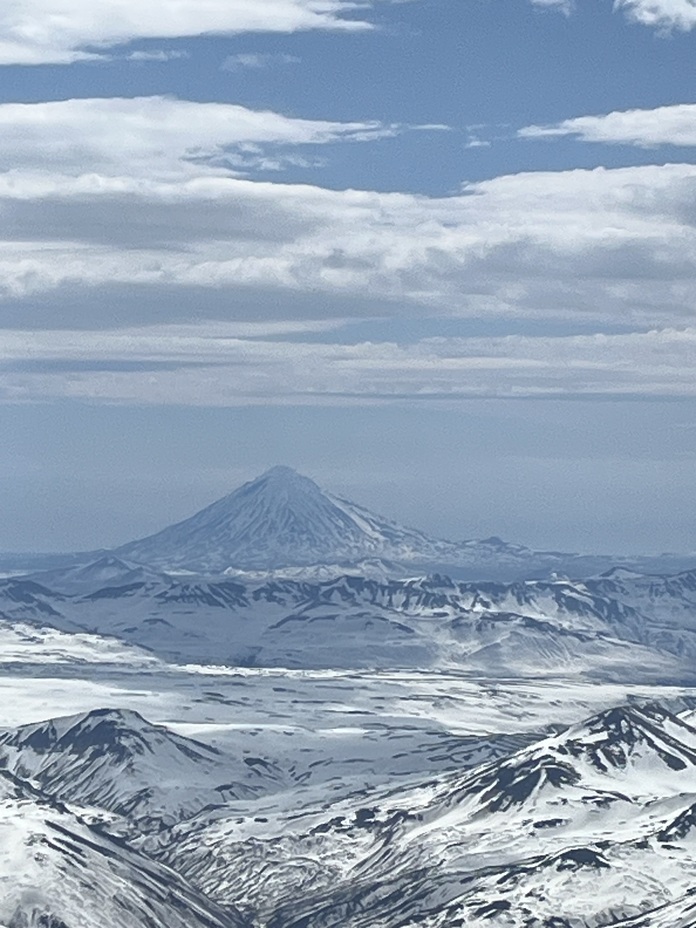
(344, 742)
(621, 626)
(318, 800)
(282, 524)
(590, 827)
(106, 571)
(58, 872)
(283, 520)
(145, 776)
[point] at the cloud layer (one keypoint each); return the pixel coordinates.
(226, 366)
(154, 137)
(145, 194)
(616, 246)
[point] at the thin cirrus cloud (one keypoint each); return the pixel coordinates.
(256, 61)
(64, 31)
(663, 15)
(648, 128)
(158, 55)
(562, 6)
(228, 367)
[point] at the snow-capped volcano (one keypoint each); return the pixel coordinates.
(283, 519)
(285, 524)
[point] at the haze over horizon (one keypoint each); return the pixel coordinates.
(439, 255)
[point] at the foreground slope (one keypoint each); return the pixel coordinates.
(56, 872)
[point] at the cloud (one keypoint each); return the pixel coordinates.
(613, 245)
(158, 55)
(155, 136)
(666, 125)
(36, 32)
(562, 6)
(230, 366)
(474, 141)
(665, 15)
(63, 31)
(140, 197)
(256, 61)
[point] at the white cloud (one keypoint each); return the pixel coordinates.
(665, 125)
(475, 142)
(211, 366)
(63, 31)
(616, 245)
(663, 15)
(666, 15)
(153, 136)
(256, 61)
(34, 32)
(135, 194)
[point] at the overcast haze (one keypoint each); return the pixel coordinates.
(439, 255)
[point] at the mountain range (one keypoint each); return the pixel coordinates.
(348, 735)
(593, 825)
(617, 626)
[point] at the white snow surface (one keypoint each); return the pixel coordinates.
(144, 774)
(586, 826)
(366, 799)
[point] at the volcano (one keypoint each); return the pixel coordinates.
(283, 519)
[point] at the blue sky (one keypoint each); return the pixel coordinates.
(438, 254)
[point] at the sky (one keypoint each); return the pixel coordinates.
(439, 255)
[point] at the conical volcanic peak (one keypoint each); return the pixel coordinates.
(280, 519)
